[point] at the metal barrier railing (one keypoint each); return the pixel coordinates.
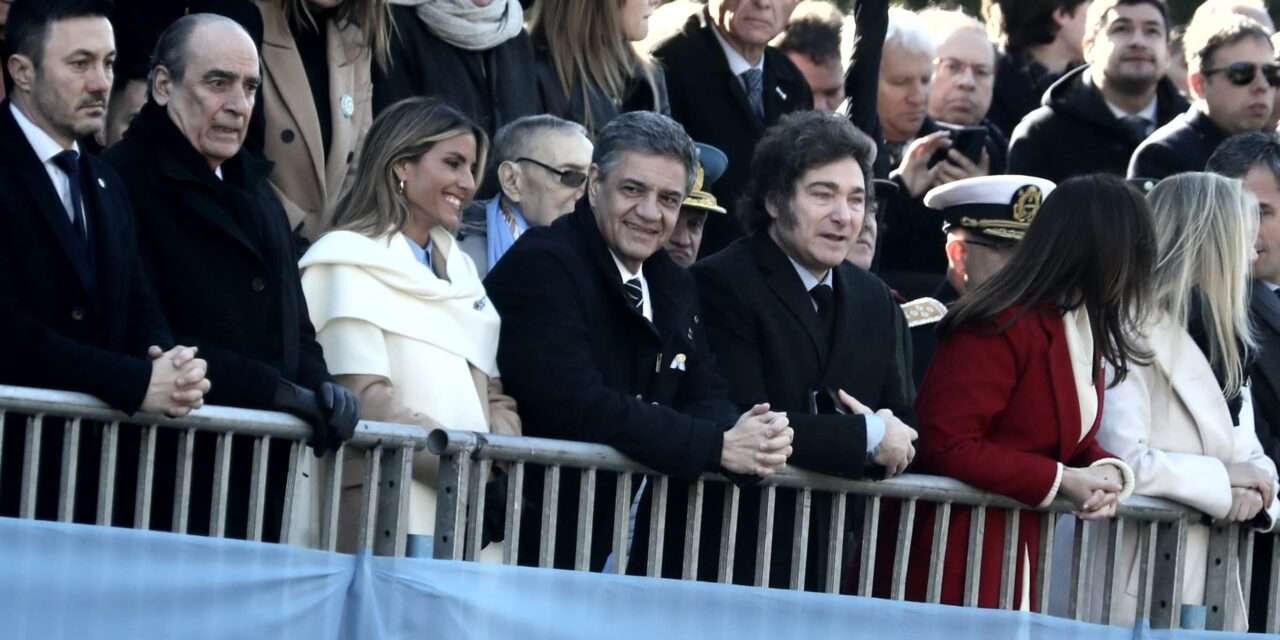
(468, 458)
(387, 450)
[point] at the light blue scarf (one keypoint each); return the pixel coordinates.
(497, 229)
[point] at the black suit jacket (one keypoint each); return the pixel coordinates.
(221, 257)
(584, 365)
(1184, 144)
(1264, 370)
(70, 322)
(712, 105)
(765, 332)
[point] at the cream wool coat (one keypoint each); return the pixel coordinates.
(414, 347)
(1169, 421)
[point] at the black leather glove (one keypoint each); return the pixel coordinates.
(332, 412)
(341, 411)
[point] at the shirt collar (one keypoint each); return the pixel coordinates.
(1148, 112)
(421, 254)
(737, 64)
(807, 278)
(42, 143)
(623, 272)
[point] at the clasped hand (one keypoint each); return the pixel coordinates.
(896, 450)
(178, 383)
(759, 443)
(1094, 491)
(1252, 489)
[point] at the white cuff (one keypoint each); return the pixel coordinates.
(1053, 491)
(1126, 475)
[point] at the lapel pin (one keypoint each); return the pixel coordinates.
(781, 94)
(348, 106)
(478, 305)
(102, 183)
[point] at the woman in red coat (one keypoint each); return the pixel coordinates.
(1012, 400)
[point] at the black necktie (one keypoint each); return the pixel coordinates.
(635, 294)
(69, 162)
(1137, 126)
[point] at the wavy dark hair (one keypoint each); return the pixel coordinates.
(1091, 245)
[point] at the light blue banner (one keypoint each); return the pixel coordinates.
(74, 581)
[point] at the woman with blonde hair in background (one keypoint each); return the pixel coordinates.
(397, 305)
(1172, 420)
(589, 69)
(318, 58)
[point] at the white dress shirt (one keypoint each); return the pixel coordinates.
(1147, 113)
(46, 148)
(646, 304)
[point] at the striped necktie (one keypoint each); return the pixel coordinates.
(635, 294)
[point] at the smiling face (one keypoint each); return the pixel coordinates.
(1132, 48)
(212, 102)
(636, 204)
(439, 183)
(818, 225)
(66, 95)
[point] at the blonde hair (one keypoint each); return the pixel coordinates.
(1205, 227)
(587, 46)
(372, 205)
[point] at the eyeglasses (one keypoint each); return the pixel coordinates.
(1242, 73)
(957, 67)
(568, 177)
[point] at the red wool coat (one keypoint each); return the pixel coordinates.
(999, 412)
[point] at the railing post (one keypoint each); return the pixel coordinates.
(393, 501)
(451, 505)
(1166, 587)
(1223, 574)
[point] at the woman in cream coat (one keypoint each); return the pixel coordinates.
(398, 307)
(1171, 420)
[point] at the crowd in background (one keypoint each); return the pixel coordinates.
(1036, 250)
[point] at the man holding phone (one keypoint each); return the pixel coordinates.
(963, 83)
(1094, 117)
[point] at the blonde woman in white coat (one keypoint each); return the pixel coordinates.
(1171, 419)
(397, 305)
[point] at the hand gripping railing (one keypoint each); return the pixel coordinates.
(387, 450)
(467, 460)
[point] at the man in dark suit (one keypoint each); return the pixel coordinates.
(727, 85)
(1254, 158)
(602, 342)
(79, 313)
(794, 324)
(1095, 116)
(215, 239)
(1233, 78)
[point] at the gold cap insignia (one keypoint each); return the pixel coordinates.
(1026, 203)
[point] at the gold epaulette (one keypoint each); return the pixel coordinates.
(922, 311)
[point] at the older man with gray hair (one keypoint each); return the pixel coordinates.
(541, 166)
(218, 248)
(601, 339)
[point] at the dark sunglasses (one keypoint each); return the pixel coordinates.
(568, 177)
(1242, 73)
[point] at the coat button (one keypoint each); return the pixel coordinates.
(77, 314)
(258, 285)
(286, 136)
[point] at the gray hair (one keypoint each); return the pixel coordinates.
(907, 32)
(513, 139)
(171, 48)
(1237, 155)
(648, 133)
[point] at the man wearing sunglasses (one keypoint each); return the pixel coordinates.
(1233, 79)
(541, 164)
